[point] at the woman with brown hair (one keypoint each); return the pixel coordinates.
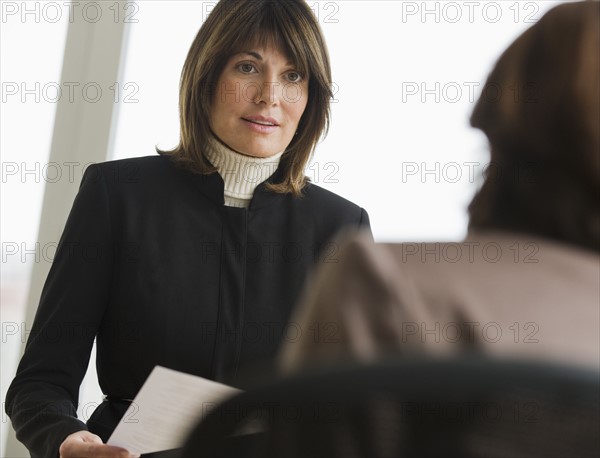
(540, 110)
(191, 259)
(526, 281)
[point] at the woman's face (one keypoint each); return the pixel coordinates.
(258, 103)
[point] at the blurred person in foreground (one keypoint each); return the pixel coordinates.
(525, 282)
(194, 258)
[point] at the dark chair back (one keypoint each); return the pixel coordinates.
(424, 408)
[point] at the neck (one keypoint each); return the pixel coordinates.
(241, 174)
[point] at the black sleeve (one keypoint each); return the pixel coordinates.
(42, 399)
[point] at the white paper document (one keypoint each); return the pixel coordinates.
(168, 406)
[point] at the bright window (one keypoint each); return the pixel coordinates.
(406, 77)
(31, 50)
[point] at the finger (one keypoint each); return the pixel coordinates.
(86, 436)
(86, 449)
(108, 451)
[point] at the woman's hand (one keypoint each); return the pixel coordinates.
(84, 444)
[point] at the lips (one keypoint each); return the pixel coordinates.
(262, 120)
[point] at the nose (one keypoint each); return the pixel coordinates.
(270, 91)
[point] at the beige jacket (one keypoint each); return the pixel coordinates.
(500, 294)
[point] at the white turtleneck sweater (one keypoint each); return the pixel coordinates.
(241, 174)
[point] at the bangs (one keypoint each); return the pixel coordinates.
(271, 26)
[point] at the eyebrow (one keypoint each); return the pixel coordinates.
(253, 54)
(257, 56)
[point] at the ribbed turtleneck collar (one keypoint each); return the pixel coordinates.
(241, 174)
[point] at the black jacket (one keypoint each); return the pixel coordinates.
(159, 271)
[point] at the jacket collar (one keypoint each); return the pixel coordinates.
(263, 196)
(213, 188)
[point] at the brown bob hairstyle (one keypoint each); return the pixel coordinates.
(540, 109)
(229, 29)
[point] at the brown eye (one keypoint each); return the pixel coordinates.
(294, 77)
(246, 68)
